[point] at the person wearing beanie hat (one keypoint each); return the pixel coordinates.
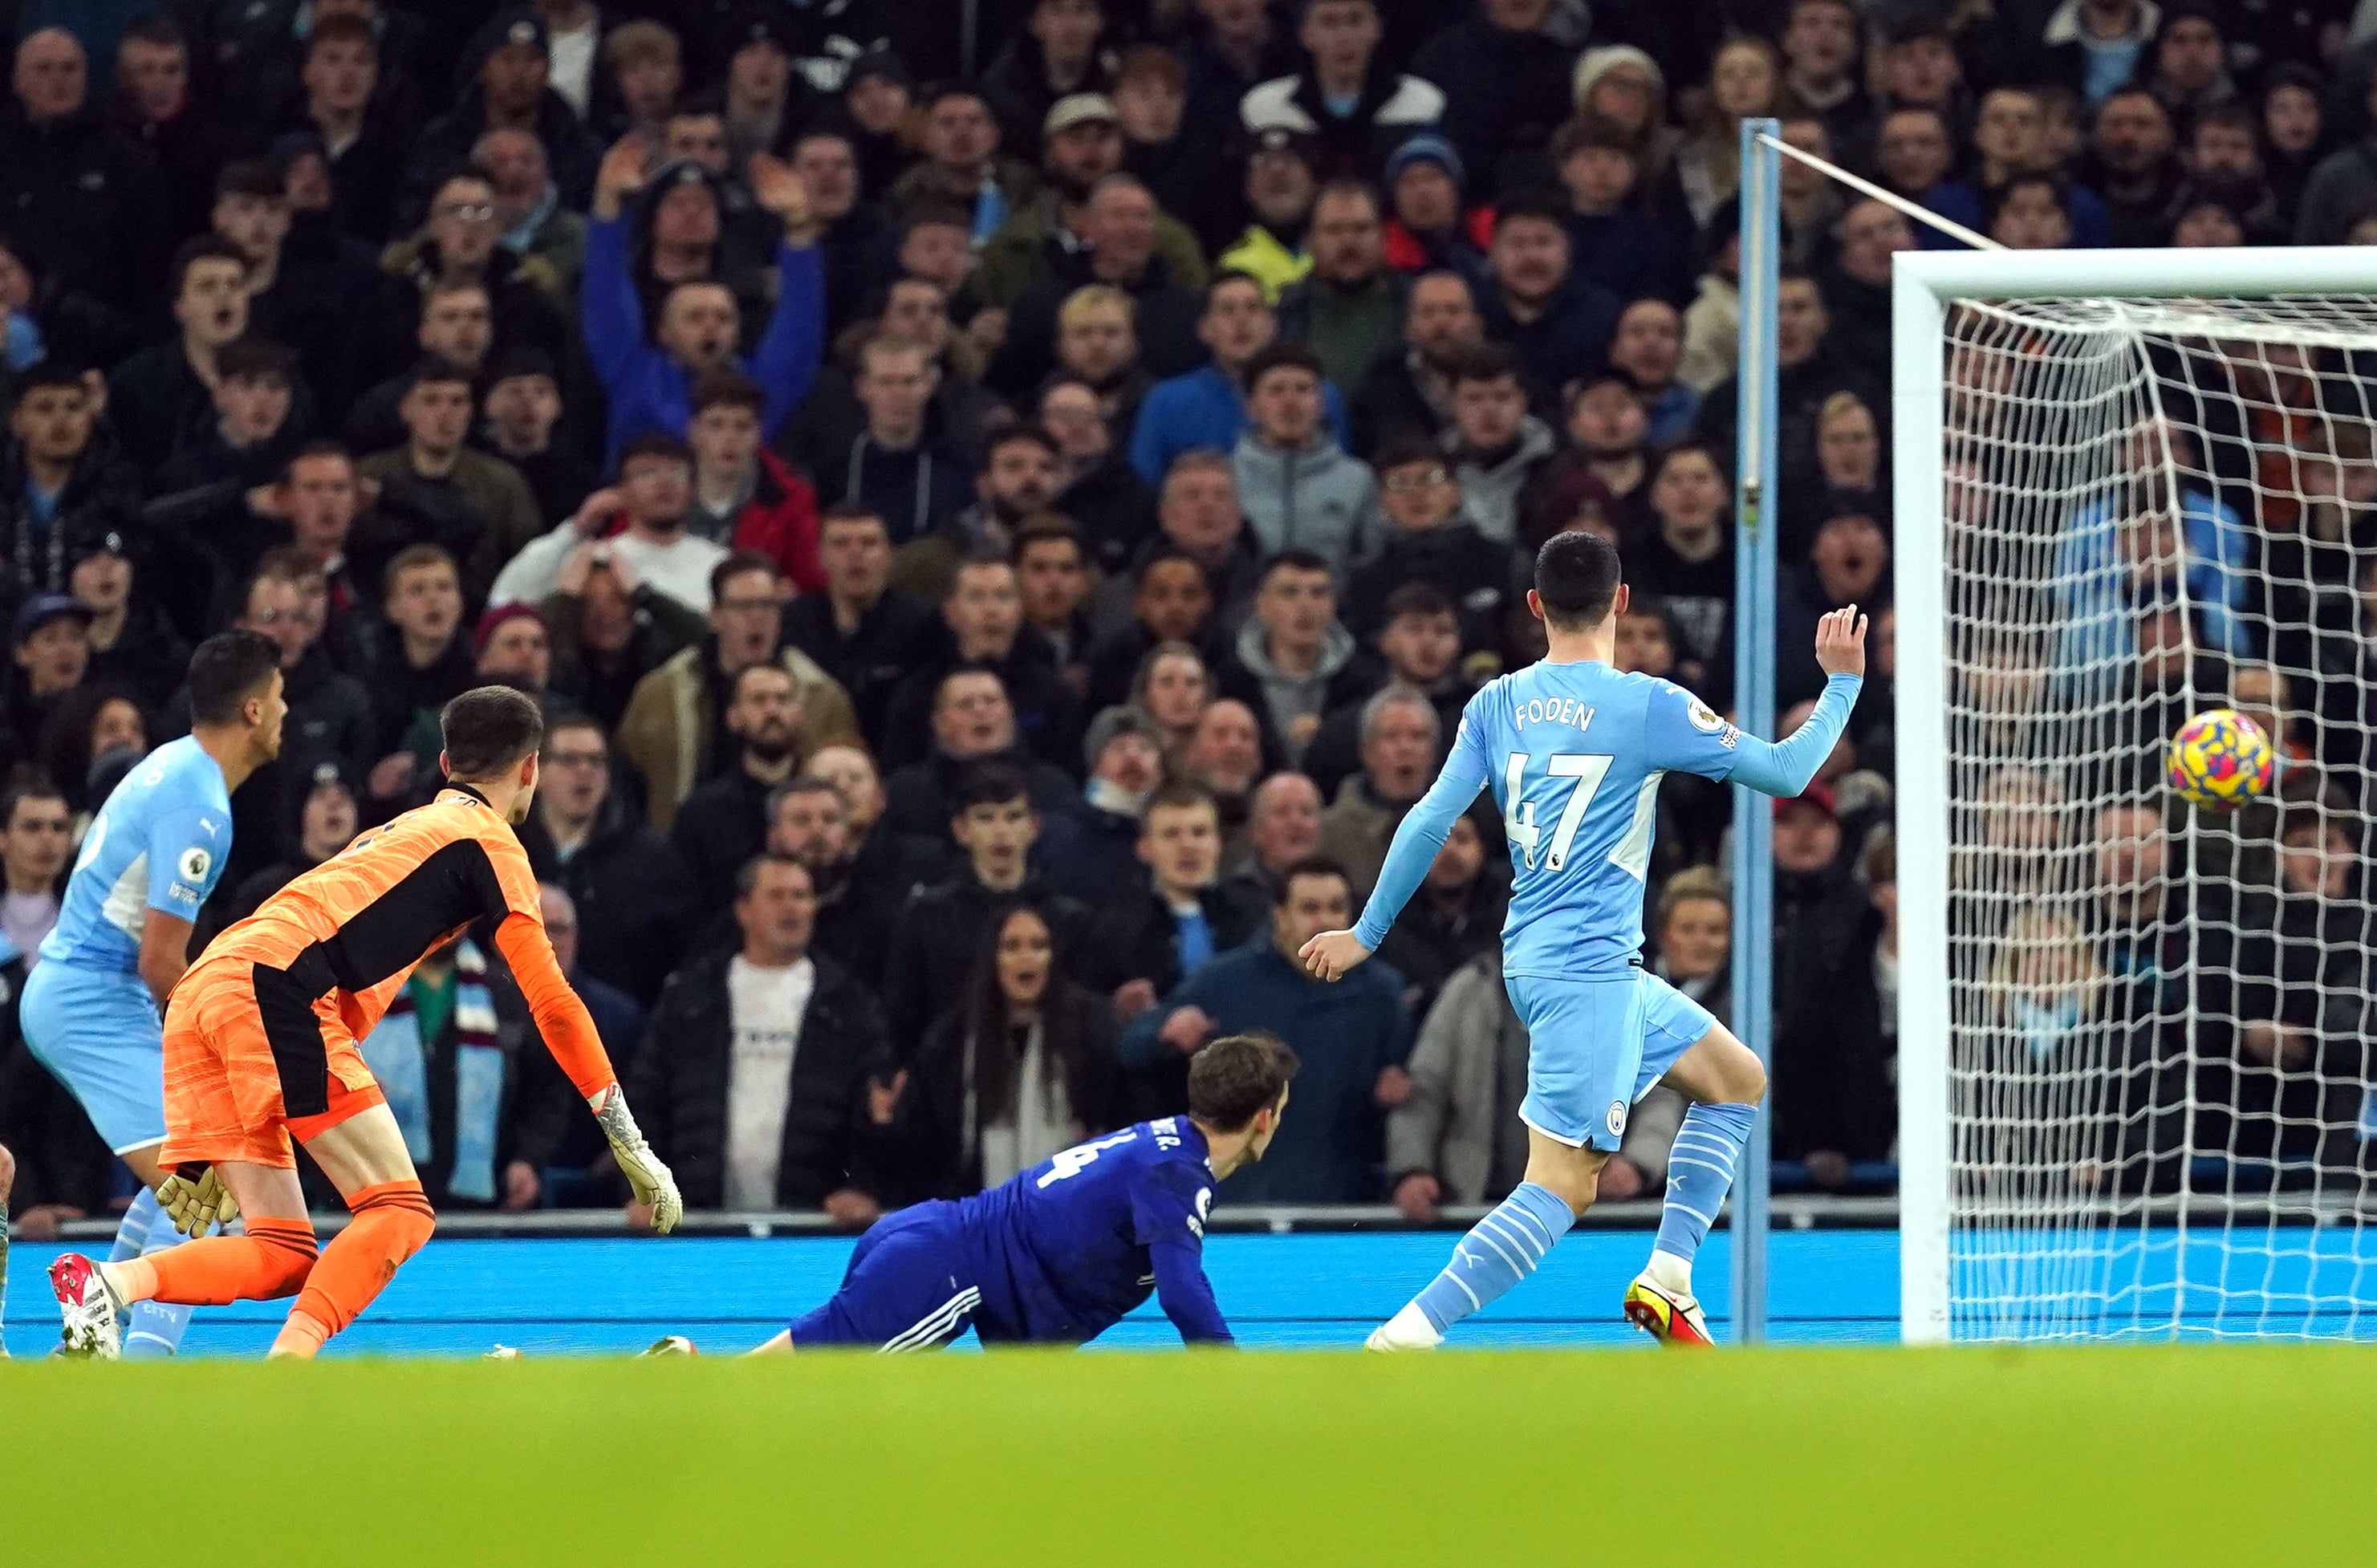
(879, 98)
(1353, 107)
(1429, 228)
(1124, 755)
(503, 81)
(648, 377)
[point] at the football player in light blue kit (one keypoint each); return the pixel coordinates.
(1574, 750)
(93, 1006)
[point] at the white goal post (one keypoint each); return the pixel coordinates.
(2041, 1195)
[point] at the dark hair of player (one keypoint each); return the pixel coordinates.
(227, 670)
(1576, 577)
(1237, 1076)
(486, 730)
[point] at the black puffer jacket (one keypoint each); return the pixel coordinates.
(679, 1081)
(634, 898)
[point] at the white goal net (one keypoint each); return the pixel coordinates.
(2160, 1041)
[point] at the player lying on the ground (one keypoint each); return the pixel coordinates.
(1057, 1254)
(261, 1048)
(1574, 750)
(152, 854)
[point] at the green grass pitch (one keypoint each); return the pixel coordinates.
(2162, 1455)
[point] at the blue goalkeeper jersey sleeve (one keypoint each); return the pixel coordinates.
(159, 844)
(1067, 1248)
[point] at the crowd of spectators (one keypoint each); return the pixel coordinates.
(1003, 506)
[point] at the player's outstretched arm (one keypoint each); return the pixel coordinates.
(1186, 1297)
(1417, 838)
(1784, 768)
(568, 1032)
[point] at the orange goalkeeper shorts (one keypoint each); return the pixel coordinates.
(249, 1064)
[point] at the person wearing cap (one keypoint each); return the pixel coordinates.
(878, 94)
(762, 101)
(1507, 83)
(506, 80)
(1429, 228)
(53, 468)
(1081, 146)
(1123, 755)
(649, 380)
(1354, 108)
(1280, 186)
(132, 644)
(519, 423)
(962, 165)
(52, 656)
(1056, 55)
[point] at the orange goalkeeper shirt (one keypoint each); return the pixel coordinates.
(353, 927)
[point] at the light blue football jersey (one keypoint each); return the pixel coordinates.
(159, 843)
(1574, 753)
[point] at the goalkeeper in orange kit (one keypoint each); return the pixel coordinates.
(261, 1049)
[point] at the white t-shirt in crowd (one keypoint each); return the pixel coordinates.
(570, 64)
(680, 569)
(765, 1007)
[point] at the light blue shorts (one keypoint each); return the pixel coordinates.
(1595, 1047)
(100, 1035)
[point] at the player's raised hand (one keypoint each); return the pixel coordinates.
(1840, 643)
(1329, 955)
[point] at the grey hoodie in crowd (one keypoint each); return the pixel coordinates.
(1314, 498)
(1489, 497)
(1288, 698)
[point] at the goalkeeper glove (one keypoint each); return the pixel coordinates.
(647, 1176)
(194, 1202)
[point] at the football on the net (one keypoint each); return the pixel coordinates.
(2220, 759)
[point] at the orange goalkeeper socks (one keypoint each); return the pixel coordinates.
(273, 1260)
(392, 1221)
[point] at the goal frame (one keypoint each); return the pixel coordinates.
(1923, 285)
